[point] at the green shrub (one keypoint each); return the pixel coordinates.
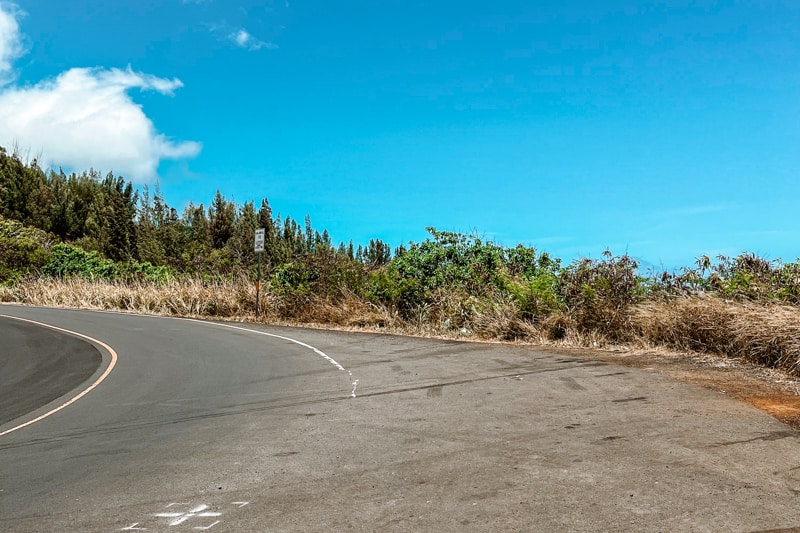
(416, 280)
(322, 274)
(598, 293)
(22, 249)
(67, 260)
(450, 259)
(389, 287)
(146, 272)
(537, 296)
(292, 279)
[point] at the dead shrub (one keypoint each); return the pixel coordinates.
(499, 319)
(557, 326)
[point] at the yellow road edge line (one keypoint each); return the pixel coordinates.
(81, 394)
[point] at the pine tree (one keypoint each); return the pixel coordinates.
(377, 253)
(119, 232)
(221, 215)
(309, 241)
(241, 242)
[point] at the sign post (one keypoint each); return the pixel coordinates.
(258, 246)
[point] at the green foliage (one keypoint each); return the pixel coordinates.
(323, 273)
(744, 277)
(376, 254)
(105, 215)
(450, 259)
(221, 215)
(67, 260)
(598, 293)
(422, 275)
(23, 194)
(536, 296)
(159, 275)
(525, 262)
(389, 287)
(22, 249)
(217, 261)
(788, 283)
(240, 244)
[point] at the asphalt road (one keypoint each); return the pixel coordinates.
(39, 366)
(200, 426)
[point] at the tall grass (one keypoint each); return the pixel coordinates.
(767, 334)
(194, 297)
(188, 297)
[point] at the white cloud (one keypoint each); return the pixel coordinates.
(10, 38)
(85, 118)
(245, 39)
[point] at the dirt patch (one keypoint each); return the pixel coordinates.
(783, 407)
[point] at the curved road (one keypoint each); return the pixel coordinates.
(200, 426)
(39, 366)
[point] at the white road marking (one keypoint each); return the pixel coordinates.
(169, 515)
(84, 392)
(194, 512)
(319, 352)
(207, 527)
(178, 518)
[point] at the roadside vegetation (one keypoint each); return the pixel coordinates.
(84, 240)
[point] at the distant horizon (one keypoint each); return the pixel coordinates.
(666, 131)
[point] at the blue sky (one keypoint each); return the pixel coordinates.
(663, 129)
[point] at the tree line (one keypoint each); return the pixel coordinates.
(105, 214)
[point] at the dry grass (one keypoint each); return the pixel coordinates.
(499, 319)
(193, 298)
(764, 334)
(345, 309)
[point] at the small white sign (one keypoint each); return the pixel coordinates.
(259, 244)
